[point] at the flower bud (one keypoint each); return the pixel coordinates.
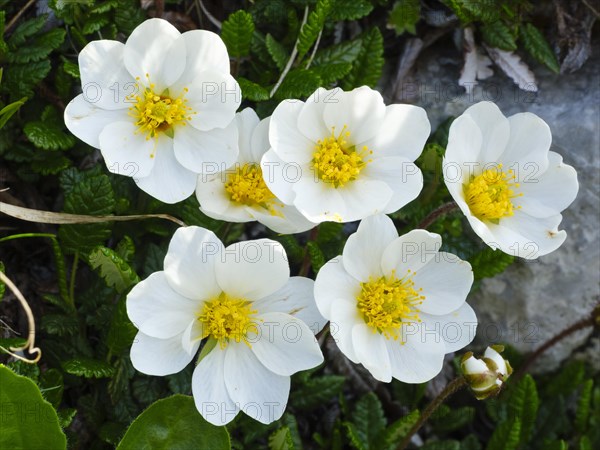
(486, 375)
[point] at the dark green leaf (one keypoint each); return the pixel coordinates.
(313, 26)
(20, 79)
(536, 44)
(344, 52)
(583, 406)
(316, 391)
(397, 431)
(8, 111)
(88, 368)
(38, 48)
(59, 324)
(281, 440)
(497, 34)
(368, 66)
(237, 33)
(350, 9)
(115, 271)
(523, 404)
(317, 259)
(298, 83)
(404, 16)
(488, 263)
(121, 331)
(369, 420)
(277, 51)
(442, 445)
(506, 436)
(252, 91)
(52, 387)
(48, 136)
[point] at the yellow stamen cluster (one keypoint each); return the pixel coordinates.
(336, 162)
(489, 195)
(386, 302)
(155, 113)
(247, 186)
(225, 318)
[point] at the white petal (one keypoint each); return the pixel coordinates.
(464, 143)
(403, 132)
(402, 176)
(260, 393)
(204, 50)
(418, 358)
(457, 329)
(296, 298)
(105, 81)
(157, 310)
(210, 392)
(280, 176)
(334, 282)
(446, 281)
(159, 357)
(285, 345)
(214, 97)
(529, 142)
(206, 151)
(191, 260)
(344, 316)
(253, 269)
(246, 121)
(127, 152)
(286, 139)
(365, 197)
(551, 192)
(215, 202)
(288, 220)
(494, 127)
(311, 122)
(155, 48)
(474, 366)
(364, 249)
(169, 181)
(86, 121)
(371, 352)
(497, 358)
(410, 251)
(361, 111)
(259, 143)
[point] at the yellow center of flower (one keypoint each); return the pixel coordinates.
(337, 162)
(490, 194)
(247, 186)
(155, 113)
(386, 302)
(225, 318)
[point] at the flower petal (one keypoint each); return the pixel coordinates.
(155, 52)
(86, 121)
(247, 120)
(311, 121)
(344, 316)
(210, 392)
(361, 111)
(403, 132)
(157, 310)
(371, 352)
(105, 81)
(364, 249)
(253, 269)
(288, 220)
(285, 345)
(297, 299)
(457, 329)
(127, 152)
(464, 145)
(215, 202)
(191, 260)
(260, 393)
(446, 281)
(334, 282)
(410, 251)
(416, 359)
(286, 139)
(529, 142)
(280, 176)
(169, 181)
(160, 357)
(494, 128)
(259, 142)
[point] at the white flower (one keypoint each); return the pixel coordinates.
(159, 107)
(239, 193)
(506, 181)
(396, 304)
(241, 302)
(342, 156)
(485, 376)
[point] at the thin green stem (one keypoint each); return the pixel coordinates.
(73, 277)
(27, 235)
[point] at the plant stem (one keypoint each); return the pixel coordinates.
(73, 276)
(452, 387)
(314, 50)
(17, 16)
(304, 269)
(436, 213)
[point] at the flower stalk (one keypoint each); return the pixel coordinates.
(437, 213)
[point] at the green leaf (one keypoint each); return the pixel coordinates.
(332, 73)
(20, 79)
(453, 419)
(48, 136)
(39, 48)
(26, 30)
(115, 271)
(523, 404)
(48, 163)
(66, 416)
(252, 91)
(344, 52)
(583, 406)
(121, 332)
(277, 51)
(404, 16)
(497, 34)
(298, 83)
(353, 437)
(506, 435)
(28, 421)
(313, 26)
(316, 391)
(569, 378)
(10, 109)
(317, 258)
(536, 44)
(442, 445)
(368, 66)
(350, 9)
(88, 368)
(174, 423)
(369, 420)
(488, 263)
(281, 440)
(59, 324)
(397, 431)
(52, 386)
(237, 33)
(470, 443)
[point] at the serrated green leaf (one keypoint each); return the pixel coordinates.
(121, 332)
(71, 68)
(88, 368)
(281, 440)
(115, 271)
(252, 91)
(39, 47)
(26, 30)
(454, 419)
(536, 44)
(523, 404)
(126, 249)
(497, 34)
(331, 73)
(20, 79)
(350, 9)
(313, 26)
(488, 263)
(19, 397)
(397, 431)
(470, 443)
(317, 258)
(237, 33)
(10, 109)
(442, 445)
(569, 378)
(59, 324)
(66, 416)
(171, 423)
(368, 66)
(316, 391)
(506, 435)
(298, 83)
(369, 420)
(48, 136)
(52, 386)
(47, 163)
(584, 406)
(277, 51)
(344, 52)
(353, 437)
(95, 23)
(404, 16)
